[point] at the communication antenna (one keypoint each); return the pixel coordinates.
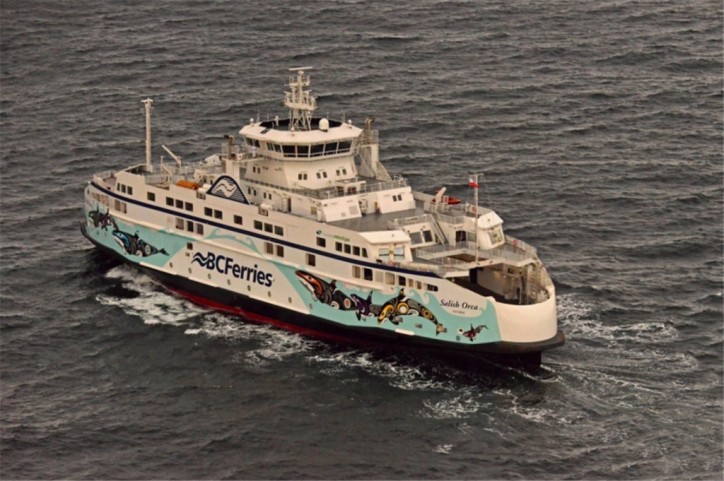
(300, 102)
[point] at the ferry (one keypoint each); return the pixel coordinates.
(297, 223)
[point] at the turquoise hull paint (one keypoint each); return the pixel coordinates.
(453, 327)
(165, 244)
(246, 243)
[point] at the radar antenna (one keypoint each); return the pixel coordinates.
(300, 102)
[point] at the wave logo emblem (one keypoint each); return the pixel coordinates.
(228, 266)
(227, 188)
(204, 261)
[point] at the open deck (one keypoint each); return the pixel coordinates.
(376, 222)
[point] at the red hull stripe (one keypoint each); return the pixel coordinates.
(258, 318)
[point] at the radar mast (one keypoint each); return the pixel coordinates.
(300, 102)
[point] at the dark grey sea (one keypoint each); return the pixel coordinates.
(598, 125)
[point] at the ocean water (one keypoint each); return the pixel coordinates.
(598, 125)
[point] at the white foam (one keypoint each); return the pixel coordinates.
(453, 407)
(275, 344)
(397, 374)
(578, 320)
(152, 304)
(444, 448)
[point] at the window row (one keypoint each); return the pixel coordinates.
(103, 199)
(421, 237)
(397, 197)
(398, 251)
(350, 249)
(270, 228)
(183, 224)
(321, 174)
(215, 213)
(315, 150)
(274, 249)
(171, 202)
(126, 189)
(390, 278)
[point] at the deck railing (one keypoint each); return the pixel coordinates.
(443, 254)
(333, 192)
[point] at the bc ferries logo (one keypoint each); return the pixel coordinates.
(227, 188)
(227, 265)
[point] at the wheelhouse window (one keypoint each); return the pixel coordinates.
(344, 146)
(317, 150)
(330, 148)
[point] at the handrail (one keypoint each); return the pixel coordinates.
(515, 242)
(333, 192)
(505, 252)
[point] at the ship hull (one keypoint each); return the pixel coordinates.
(257, 311)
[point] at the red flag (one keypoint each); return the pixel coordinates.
(472, 183)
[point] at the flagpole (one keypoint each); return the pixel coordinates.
(477, 185)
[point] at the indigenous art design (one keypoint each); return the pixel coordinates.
(392, 310)
(99, 218)
(131, 244)
(472, 332)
